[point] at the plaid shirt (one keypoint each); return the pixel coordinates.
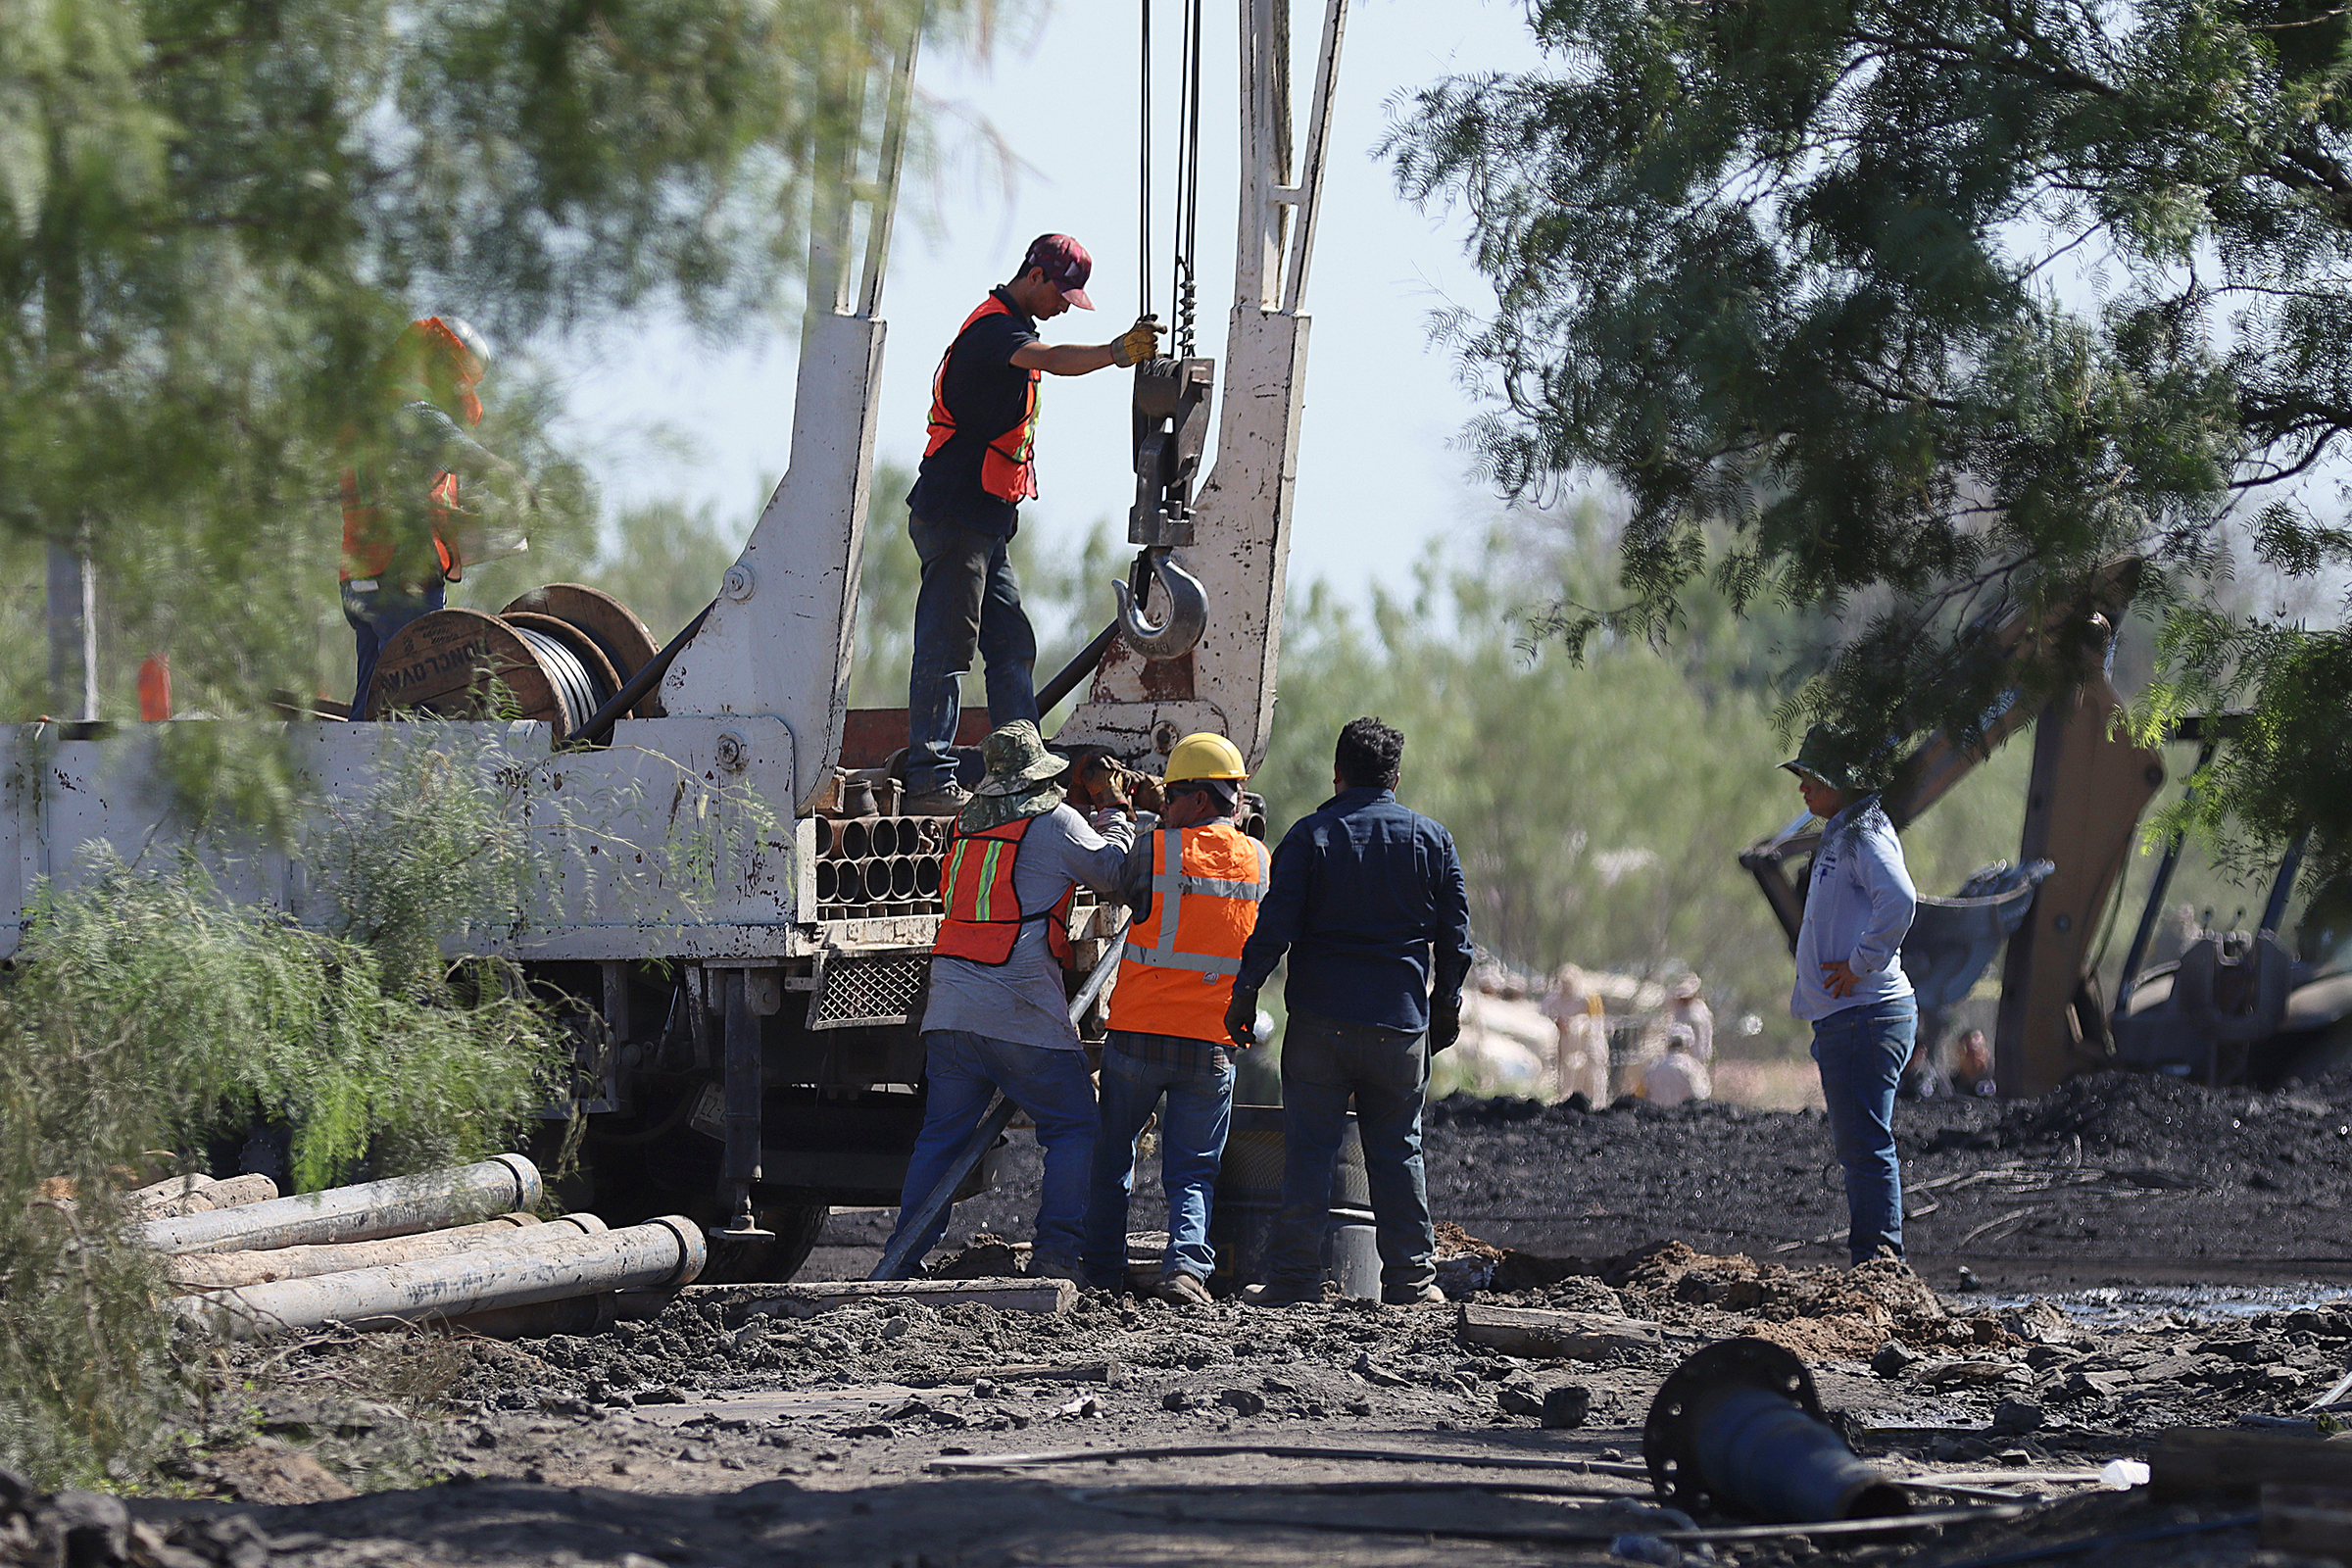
(1194, 1058)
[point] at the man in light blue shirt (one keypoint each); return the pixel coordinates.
(1850, 985)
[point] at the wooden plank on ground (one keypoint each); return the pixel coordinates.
(1554, 1336)
(2196, 1458)
(808, 1298)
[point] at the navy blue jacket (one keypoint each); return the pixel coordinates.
(1363, 890)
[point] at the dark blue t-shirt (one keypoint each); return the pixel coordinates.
(987, 395)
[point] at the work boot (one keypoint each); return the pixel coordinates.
(1413, 1295)
(1184, 1290)
(1057, 1268)
(946, 800)
(1283, 1294)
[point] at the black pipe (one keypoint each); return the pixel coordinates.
(600, 722)
(2284, 888)
(1049, 696)
(2156, 891)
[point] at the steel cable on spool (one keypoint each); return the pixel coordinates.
(580, 693)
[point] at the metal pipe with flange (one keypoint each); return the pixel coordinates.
(403, 1205)
(659, 1255)
(223, 1271)
(1738, 1427)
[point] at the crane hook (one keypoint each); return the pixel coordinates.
(1186, 617)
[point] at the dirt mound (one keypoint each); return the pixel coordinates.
(1820, 1313)
(2120, 1110)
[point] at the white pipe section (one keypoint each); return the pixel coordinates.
(401, 1206)
(661, 1252)
(221, 1271)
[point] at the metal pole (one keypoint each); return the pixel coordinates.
(72, 633)
(740, 1172)
(224, 1271)
(1050, 694)
(400, 1206)
(647, 677)
(666, 1251)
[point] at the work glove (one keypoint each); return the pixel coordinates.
(1138, 343)
(1240, 1018)
(1105, 784)
(1444, 1026)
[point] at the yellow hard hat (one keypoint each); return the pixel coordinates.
(1206, 754)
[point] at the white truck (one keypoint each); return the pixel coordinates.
(756, 1054)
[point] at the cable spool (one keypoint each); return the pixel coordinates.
(609, 627)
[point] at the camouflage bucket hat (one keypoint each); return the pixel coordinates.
(1023, 778)
(1825, 756)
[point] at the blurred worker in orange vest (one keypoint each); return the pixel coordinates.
(1196, 882)
(422, 498)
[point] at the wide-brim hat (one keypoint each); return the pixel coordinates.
(1017, 761)
(1825, 756)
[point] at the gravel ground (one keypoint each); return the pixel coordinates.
(864, 1435)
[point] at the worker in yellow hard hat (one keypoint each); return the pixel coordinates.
(1195, 881)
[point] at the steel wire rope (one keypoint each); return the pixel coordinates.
(1142, 204)
(580, 693)
(1187, 222)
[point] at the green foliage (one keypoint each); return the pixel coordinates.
(152, 1008)
(1925, 312)
(1599, 804)
(213, 218)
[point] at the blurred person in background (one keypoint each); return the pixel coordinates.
(1581, 1065)
(1368, 901)
(422, 497)
(1678, 1074)
(1689, 1010)
(1850, 985)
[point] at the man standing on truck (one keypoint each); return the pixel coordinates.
(422, 498)
(1194, 883)
(1850, 985)
(962, 512)
(1365, 893)
(998, 1017)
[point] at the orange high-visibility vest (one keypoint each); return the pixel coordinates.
(984, 917)
(1176, 972)
(368, 541)
(1006, 469)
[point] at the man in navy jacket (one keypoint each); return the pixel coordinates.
(1367, 900)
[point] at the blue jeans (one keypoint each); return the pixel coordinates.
(1861, 1051)
(964, 1072)
(1191, 1145)
(376, 615)
(1324, 1061)
(968, 603)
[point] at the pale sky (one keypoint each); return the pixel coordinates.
(1379, 470)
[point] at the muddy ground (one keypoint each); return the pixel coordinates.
(1353, 1434)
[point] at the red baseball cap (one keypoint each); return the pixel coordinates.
(1065, 264)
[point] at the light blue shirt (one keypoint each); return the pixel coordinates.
(1857, 909)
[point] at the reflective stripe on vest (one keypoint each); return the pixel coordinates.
(1007, 471)
(1176, 971)
(984, 917)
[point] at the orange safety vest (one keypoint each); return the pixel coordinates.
(1176, 972)
(1007, 471)
(369, 542)
(984, 917)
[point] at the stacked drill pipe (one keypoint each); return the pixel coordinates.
(874, 866)
(456, 1247)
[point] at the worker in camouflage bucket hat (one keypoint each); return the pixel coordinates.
(998, 1017)
(1850, 985)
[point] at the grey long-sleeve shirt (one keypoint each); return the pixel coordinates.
(1022, 999)
(1857, 908)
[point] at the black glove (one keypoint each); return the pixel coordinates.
(1240, 1018)
(1444, 1026)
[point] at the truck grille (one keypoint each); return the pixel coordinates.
(881, 990)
